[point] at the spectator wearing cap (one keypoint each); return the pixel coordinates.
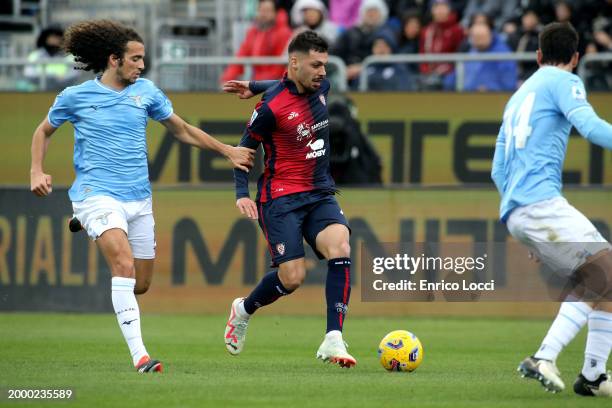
(312, 15)
(355, 44)
(60, 73)
(388, 76)
(268, 36)
(442, 35)
(487, 76)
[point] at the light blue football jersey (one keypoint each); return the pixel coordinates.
(532, 140)
(110, 146)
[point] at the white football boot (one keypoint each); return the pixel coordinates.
(545, 371)
(236, 328)
(333, 350)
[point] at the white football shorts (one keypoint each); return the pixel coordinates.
(557, 233)
(101, 213)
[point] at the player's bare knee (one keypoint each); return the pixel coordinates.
(339, 250)
(596, 277)
(292, 278)
(142, 288)
(123, 268)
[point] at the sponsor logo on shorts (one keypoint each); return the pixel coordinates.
(103, 218)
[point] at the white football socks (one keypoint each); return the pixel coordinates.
(599, 343)
(128, 315)
(571, 318)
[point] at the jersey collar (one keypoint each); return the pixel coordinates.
(290, 85)
(100, 84)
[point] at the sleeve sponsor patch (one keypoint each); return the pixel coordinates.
(578, 93)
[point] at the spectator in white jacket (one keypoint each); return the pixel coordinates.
(312, 15)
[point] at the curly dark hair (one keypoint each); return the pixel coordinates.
(93, 41)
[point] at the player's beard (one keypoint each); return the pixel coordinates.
(312, 88)
(125, 80)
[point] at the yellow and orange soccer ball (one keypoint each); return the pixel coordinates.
(400, 350)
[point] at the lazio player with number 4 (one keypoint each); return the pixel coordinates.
(295, 198)
(527, 166)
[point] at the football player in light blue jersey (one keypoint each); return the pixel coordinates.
(527, 166)
(111, 195)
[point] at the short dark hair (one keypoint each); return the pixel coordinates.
(306, 41)
(93, 41)
(558, 43)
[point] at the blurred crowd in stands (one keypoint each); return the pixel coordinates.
(356, 29)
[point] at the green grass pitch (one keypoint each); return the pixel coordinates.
(467, 362)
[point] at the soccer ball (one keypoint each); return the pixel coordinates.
(400, 350)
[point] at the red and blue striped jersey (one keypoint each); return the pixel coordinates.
(294, 131)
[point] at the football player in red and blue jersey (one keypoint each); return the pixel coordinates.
(295, 197)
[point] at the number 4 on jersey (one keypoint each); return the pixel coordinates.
(517, 125)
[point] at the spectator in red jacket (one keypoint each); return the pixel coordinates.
(442, 35)
(268, 36)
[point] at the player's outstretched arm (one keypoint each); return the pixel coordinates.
(40, 183)
(247, 89)
(240, 157)
(571, 98)
(240, 88)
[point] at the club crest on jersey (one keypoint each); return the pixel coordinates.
(137, 100)
(303, 131)
(293, 115)
(322, 99)
(280, 248)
